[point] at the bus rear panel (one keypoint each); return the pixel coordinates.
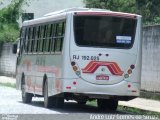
(105, 55)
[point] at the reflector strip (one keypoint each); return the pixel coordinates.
(68, 87)
(134, 91)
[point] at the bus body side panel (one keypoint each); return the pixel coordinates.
(18, 78)
(38, 67)
(24, 70)
(137, 71)
(57, 83)
(68, 73)
(53, 73)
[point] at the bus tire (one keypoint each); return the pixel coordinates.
(26, 97)
(59, 102)
(81, 102)
(48, 101)
(101, 104)
(109, 104)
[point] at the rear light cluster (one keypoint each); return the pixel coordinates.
(129, 72)
(76, 69)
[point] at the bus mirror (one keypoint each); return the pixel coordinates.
(14, 48)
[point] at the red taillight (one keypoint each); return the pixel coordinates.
(129, 86)
(74, 83)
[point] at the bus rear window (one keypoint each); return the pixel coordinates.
(104, 31)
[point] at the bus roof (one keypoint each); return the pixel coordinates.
(78, 11)
(75, 10)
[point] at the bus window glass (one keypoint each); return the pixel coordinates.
(46, 38)
(33, 39)
(50, 36)
(104, 31)
(53, 37)
(22, 39)
(63, 28)
(58, 45)
(59, 37)
(38, 38)
(41, 39)
(28, 40)
(25, 40)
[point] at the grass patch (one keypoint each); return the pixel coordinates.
(8, 85)
(134, 111)
(92, 103)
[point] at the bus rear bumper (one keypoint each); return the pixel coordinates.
(123, 88)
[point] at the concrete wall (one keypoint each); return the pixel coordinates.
(7, 60)
(151, 59)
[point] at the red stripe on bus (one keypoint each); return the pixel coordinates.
(94, 65)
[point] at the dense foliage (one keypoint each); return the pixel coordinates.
(9, 27)
(149, 9)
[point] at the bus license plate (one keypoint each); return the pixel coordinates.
(102, 77)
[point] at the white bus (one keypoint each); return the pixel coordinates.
(80, 54)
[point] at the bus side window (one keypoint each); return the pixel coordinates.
(50, 37)
(28, 40)
(22, 38)
(55, 38)
(59, 37)
(41, 39)
(63, 33)
(25, 40)
(53, 32)
(33, 39)
(63, 28)
(38, 38)
(45, 38)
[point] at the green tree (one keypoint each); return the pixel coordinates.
(115, 5)
(9, 27)
(149, 9)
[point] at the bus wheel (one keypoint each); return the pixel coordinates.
(81, 102)
(26, 97)
(109, 104)
(48, 101)
(59, 102)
